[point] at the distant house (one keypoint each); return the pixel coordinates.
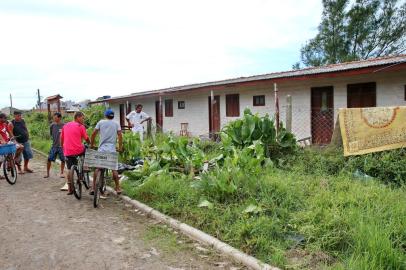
(317, 94)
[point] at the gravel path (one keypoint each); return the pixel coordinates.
(42, 228)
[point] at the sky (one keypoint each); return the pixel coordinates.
(84, 49)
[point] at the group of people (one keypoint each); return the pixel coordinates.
(16, 131)
(67, 140)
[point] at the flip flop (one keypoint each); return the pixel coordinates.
(62, 176)
(28, 171)
(46, 176)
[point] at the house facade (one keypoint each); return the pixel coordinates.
(316, 93)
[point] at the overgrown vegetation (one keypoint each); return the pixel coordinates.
(298, 209)
(302, 209)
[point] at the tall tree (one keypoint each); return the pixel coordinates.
(369, 28)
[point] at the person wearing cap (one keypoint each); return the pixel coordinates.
(18, 129)
(136, 119)
(55, 129)
(109, 131)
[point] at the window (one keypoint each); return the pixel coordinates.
(181, 105)
(168, 107)
(259, 100)
(233, 105)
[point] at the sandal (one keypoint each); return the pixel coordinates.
(28, 171)
(118, 191)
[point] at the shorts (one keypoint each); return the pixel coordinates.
(27, 152)
(56, 151)
(72, 160)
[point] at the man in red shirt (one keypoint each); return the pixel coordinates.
(71, 141)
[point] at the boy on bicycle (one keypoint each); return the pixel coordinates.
(109, 131)
(5, 138)
(71, 142)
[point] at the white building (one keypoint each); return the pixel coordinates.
(317, 94)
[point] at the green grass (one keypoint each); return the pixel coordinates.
(41, 145)
(355, 224)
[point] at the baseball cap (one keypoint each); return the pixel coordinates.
(109, 112)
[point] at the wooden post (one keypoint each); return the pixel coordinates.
(59, 105)
(211, 135)
(149, 124)
(289, 113)
(11, 104)
(49, 111)
(276, 107)
(160, 115)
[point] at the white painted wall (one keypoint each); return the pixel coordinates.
(390, 91)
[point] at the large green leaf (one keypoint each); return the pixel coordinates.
(247, 128)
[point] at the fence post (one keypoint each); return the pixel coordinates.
(289, 113)
(149, 128)
(276, 108)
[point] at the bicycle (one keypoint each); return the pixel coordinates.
(81, 175)
(102, 162)
(100, 186)
(9, 166)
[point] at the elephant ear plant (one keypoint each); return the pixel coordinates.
(250, 128)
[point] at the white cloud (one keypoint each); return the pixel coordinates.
(85, 49)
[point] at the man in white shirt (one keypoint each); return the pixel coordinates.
(136, 119)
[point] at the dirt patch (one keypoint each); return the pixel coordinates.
(302, 259)
(42, 228)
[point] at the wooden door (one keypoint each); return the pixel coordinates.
(214, 117)
(158, 115)
(361, 95)
(322, 122)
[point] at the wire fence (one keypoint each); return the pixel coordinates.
(310, 125)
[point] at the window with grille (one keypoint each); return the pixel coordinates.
(168, 107)
(259, 100)
(233, 105)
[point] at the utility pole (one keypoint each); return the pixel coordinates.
(11, 103)
(39, 100)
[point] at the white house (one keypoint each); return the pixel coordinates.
(317, 94)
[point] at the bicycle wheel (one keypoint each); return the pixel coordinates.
(103, 186)
(10, 170)
(86, 180)
(77, 185)
(96, 195)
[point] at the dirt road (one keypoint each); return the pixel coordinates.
(42, 228)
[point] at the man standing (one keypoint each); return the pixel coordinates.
(109, 131)
(18, 129)
(136, 119)
(71, 142)
(56, 150)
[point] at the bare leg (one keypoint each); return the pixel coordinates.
(26, 169)
(48, 169)
(94, 180)
(117, 182)
(62, 169)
